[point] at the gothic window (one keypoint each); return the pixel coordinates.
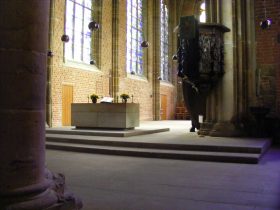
(202, 14)
(134, 52)
(78, 16)
(164, 41)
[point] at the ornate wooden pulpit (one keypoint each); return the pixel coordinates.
(200, 62)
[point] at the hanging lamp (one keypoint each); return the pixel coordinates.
(266, 23)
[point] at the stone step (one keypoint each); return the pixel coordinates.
(259, 149)
(157, 153)
(105, 132)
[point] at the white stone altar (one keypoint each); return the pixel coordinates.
(105, 115)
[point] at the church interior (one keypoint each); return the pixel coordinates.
(196, 71)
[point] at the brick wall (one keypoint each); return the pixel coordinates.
(268, 54)
(86, 82)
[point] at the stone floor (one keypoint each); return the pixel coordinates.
(106, 182)
(128, 183)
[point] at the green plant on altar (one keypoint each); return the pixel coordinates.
(124, 96)
(94, 98)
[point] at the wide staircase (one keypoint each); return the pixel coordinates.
(157, 143)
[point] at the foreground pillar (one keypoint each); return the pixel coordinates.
(23, 47)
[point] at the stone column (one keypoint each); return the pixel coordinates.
(210, 114)
(23, 61)
(251, 53)
(115, 49)
(209, 11)
(227, 94)
(50, 65)
(213, 16)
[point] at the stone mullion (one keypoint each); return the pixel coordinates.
(97, 34)
(149, 51)
(145, 29)
(156, 60)
(173, 41)
(171, 44)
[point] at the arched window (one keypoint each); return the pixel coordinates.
(202, 12)
(78, 16)
(164, 70)
(134, 52)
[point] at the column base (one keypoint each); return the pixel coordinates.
(66, 200)
(205, 128)
(50, 195)
(34, 197)
(225, 129)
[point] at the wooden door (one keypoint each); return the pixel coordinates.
(67, 99)
(163, 107)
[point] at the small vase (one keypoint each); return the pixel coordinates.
(94, 100)
(124, 100)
